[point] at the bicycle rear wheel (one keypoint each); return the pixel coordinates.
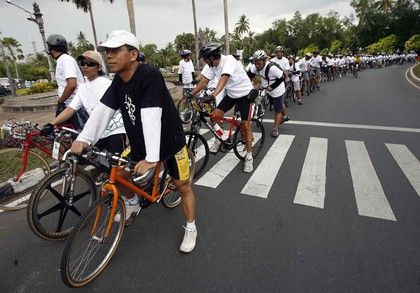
(87, 251)
(14, 195)
(258, 138)
(185, 111)
(200, 149)
(53, 217)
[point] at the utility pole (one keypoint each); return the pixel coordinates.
(225, 9)
(40, 22)
(196, 35)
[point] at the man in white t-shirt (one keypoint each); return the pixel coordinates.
(315, 62)
(88, 96)
(67, 74)
(186, 72)
(272, 79)
(233, 78)
(285, 67)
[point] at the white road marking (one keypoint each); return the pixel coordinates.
(370, 197)
(263, 177)
(342, 125)
(311, 187)
(221, 169)
(407, 162)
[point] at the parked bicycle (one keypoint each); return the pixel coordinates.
(95, 238)
(235, 134)
(36, 154)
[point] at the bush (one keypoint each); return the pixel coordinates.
(413, 43)
(38, 88)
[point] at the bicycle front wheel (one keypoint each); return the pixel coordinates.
(185, 111)
(14, 194)
(258, 138)
(64, 199)
(88, 250)
(199, 147)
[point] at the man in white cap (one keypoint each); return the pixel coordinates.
(151, 120)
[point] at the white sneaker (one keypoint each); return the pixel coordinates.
(129, 210)
(248, 165)
(215, 146)
(188, 243)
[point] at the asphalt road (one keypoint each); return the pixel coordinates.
(341, 212)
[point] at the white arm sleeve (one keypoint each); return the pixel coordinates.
(151, 120)
(97, 123)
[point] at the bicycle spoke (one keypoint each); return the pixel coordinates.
(80, 196)
(75, 210)
(52, 210)
(61, 219)
(56, 194)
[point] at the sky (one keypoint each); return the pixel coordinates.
(157, 21)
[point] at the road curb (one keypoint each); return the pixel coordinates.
(411, 78)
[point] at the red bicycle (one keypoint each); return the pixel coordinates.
(37, 155)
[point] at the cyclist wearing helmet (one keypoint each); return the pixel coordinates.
(272, 79)
(186, 72)
(67, 74)
(295, 75)
(151, 121)
(232, 78)
(284, 65)
(305, 68)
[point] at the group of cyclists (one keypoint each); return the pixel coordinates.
(136, 107)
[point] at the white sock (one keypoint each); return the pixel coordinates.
(248, 155)
(191, 226)
(134, 200)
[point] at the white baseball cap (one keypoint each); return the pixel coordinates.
(119, 38)
(91, 56)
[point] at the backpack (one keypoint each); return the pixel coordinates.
(267, 69)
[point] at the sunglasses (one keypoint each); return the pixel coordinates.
(88, 63)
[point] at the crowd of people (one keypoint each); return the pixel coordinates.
(137, 106)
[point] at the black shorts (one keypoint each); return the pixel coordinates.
(277, 103)
(179, 165)
(114, 143)
(242, 105)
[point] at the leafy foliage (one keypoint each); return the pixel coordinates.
(413, 43)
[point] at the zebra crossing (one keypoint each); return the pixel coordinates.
(370, 198)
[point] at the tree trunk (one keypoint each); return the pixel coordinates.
(226, 27)
(93, 24)
(130, 9)
(9, 76)
(196, 35)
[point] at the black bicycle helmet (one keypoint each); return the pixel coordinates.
(57, 42)
(209, 50)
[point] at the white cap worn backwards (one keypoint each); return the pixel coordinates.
(119, 38)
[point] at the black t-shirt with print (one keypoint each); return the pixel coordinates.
(146, 89)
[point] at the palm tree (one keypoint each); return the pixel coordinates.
(242, 26)
(15, 52)
(87, 6)
(384, 5)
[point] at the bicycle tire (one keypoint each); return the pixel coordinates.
(185, 111)
(240, 148)
(171, 198)
(15, 195)
(84, 232)
(200, 149)
(49, 219)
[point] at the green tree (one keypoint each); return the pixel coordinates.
(384, 45)
(185, 41)
(413, 43)
(80, 46)
(384, 5)
(242, 26)
(15, 52)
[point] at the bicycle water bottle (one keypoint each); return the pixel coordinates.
(219, 130)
